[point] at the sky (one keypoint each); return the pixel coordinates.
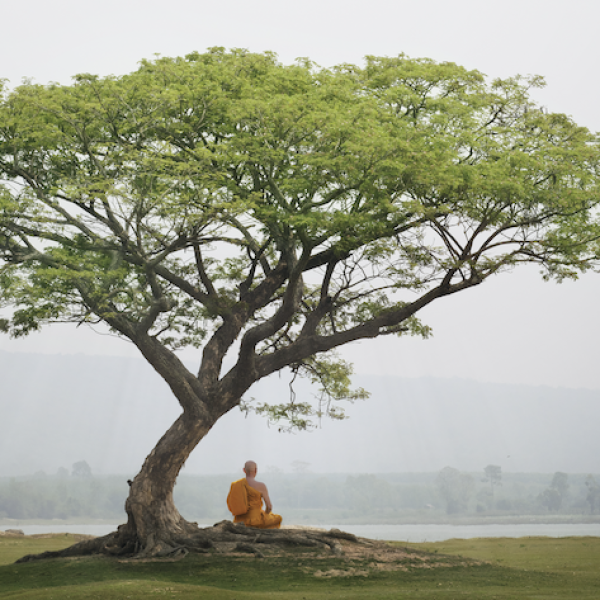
(514, 329)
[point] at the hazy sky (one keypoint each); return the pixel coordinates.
(512, 329)
(110, 411)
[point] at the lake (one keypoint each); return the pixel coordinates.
(406, 533)
(439, 533)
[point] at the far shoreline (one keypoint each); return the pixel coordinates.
(6, 523)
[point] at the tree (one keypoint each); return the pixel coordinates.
(81, 470)
(455, 488)
(493, 474)
(593, 493)
(229, 203)
(553, 497)
(301, 467)
(560, 483)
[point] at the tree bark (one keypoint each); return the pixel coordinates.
(154, 525)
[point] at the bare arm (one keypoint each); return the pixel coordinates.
(262, 488)
(269, 506)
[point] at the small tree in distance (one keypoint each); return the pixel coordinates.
(553, 497)
(593, 492)
(493, 475)
(228, 203)
(81, 470)
(300, 467)
(455, 488)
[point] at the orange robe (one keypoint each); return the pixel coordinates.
(256, 516)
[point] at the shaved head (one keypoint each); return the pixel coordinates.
(250, 467)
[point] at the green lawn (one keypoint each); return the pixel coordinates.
(523, 568)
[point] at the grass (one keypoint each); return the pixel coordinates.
(519, 568)
(578, 556)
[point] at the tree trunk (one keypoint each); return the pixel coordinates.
(154, 526)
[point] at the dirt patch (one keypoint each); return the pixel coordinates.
(359, 557)
(368, 556)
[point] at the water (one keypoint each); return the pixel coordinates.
(439, 533)
(96, 529)
(405, 533)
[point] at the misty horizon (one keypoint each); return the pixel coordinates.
(111, 411)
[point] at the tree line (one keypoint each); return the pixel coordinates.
(313, 498)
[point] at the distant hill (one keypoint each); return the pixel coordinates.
(56, 410)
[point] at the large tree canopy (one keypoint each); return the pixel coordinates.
(272, 214)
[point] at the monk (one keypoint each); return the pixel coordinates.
(256, 492)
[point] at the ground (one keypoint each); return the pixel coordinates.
(497, 568)
(360, 556)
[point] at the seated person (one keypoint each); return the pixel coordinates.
(253, 493)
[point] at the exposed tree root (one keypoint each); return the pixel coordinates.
(224, 537)
(236, 540)
(83, 548)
